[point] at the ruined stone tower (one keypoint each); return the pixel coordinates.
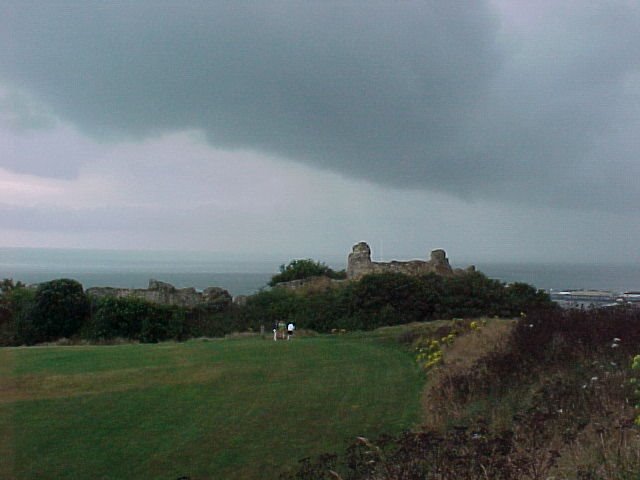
(359, 264)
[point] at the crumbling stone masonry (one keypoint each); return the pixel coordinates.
(166, 294)
(359, 264)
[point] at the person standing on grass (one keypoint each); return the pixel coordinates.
(290, 328)
(281, 327)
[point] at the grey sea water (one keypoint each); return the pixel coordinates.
(616, 278)
(243, 275)
(130, 269)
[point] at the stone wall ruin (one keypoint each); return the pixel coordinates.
(166, 294)
(359, 264)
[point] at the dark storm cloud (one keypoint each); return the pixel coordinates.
(435, 95)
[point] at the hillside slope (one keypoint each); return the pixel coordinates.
(552, 395)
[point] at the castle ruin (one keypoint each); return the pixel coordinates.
(166, 294)
(359, 264)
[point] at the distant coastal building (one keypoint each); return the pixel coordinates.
(584, 295)
(629, 297)
(584, 298)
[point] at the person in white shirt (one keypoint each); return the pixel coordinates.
(290, 328)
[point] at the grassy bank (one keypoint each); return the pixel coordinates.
(243, 408)
(552, 395)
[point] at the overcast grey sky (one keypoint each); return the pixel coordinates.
(496, 130)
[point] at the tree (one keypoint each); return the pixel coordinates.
(135, 319)
(304, 268)
(16, 302)
(388, 299)
(7, 285)
(117, 317)
(522, 297)
(60, 308)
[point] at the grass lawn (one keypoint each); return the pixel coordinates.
(233, 408)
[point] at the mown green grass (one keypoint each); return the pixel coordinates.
(241, 408)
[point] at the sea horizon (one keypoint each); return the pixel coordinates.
(246, 274)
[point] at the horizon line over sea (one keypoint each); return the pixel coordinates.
(246, 274)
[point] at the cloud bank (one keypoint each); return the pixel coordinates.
(509, 101)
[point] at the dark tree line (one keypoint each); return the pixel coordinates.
(60, 308)
(394, 298)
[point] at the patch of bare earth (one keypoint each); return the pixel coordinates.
(41, 386)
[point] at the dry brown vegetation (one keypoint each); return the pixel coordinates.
(457, 359)
(550, 396)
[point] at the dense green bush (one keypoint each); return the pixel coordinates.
(432, 296)
(521, 297)
(387, 299)
(327, 310)
(7, 285)
(270, 306)
(134, 319)
(304, 268)
(59, 309)
(116, 317)
(207, 321)
(391, 299)
(473, 295)
(16, 302)
(163, 323)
